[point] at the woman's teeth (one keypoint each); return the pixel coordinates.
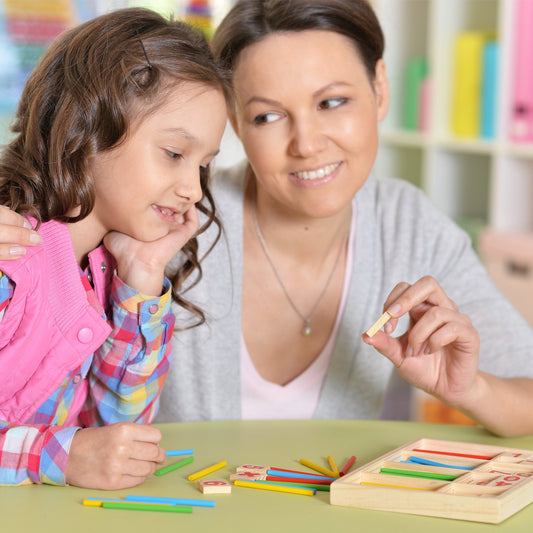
(316, 174)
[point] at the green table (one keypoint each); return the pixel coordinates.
(275, 443)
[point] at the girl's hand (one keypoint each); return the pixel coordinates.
(114, 457)
(15, 234)
(141, 265)
(439, 352)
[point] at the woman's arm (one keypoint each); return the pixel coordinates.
(439, 353)
(15, 234)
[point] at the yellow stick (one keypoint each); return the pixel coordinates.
(333, 466)
(318, 468)
(392, 486)
(207, 470)
(276, 488)
(378, 324)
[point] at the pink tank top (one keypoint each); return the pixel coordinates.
(261, 399)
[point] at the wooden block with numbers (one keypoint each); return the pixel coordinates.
(490, 483)
(214, 486)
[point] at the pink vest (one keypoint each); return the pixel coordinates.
(49, 329)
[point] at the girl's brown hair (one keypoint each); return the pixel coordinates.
(250, 21)
(81, 99)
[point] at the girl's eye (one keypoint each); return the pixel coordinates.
(173, 155)
(265, 118)
(331, 103)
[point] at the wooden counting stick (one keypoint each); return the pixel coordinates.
(378, 324)
(214, 486)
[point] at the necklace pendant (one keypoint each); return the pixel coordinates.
(306, 330)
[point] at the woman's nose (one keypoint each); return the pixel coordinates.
(306, 138)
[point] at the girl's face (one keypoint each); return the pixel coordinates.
(145, 185)
(307, 115)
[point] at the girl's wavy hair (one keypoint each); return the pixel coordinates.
(81, 100)
(250, 21)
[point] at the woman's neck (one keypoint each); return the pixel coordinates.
(304, 238)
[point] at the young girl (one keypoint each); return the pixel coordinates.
(115, 130)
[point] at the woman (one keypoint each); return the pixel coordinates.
(315, 248)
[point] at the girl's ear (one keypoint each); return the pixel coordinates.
(381, 88)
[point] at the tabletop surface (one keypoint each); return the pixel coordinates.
(275, 443)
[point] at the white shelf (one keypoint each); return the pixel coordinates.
(491, 180)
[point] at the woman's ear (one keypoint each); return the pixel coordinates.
(381, 88)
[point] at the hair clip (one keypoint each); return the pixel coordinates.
(146, 55)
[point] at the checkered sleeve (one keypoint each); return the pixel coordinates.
(6, 292)
(34, 453)
(129, 369)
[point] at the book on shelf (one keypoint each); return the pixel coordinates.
(521, 121)
(489, 89)
(416, 73)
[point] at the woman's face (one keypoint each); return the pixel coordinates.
(307, 114)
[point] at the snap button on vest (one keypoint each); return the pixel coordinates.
(85, 335)
(153, 309)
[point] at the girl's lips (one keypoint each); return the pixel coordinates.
(168, 214)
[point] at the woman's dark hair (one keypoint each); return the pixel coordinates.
(250, 21)
(81, 100)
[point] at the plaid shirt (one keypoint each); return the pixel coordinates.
(121, 381)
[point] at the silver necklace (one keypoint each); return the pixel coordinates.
(306, 329)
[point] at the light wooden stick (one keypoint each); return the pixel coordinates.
(378, 324)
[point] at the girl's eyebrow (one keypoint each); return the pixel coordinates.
(182, 132)
(318, 92)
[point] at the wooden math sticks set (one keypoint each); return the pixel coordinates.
(428, 477)
(440, 478)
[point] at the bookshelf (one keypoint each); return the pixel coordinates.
(485, 184)
(480, 182)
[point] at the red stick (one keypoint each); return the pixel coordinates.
(348, 465)
(298, 480)
(470, 456)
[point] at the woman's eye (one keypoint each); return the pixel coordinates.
(331, 103)
(265, 118)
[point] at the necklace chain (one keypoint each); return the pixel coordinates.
(306, 330)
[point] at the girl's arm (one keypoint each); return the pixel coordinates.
(129, 369)
(34, 453)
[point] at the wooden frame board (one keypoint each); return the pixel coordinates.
(480, 483)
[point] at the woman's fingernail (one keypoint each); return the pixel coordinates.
(409, 351)
(427, 351)
(17, 250)
(27, 224)
(394, 309)
(35, 237)
(388, 328)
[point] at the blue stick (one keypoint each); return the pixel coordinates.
(171, 501)
(173, 453)
(420, 461)
(280, 473)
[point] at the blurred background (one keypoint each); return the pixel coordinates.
(460, 124)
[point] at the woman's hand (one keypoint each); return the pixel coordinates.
(114, 457)
(439, 352)
(15, 234)
(141, 265)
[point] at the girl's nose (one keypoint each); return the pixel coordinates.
(189, 185)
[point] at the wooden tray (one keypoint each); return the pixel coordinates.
(488, 483)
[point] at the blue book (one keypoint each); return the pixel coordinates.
(489, 90)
